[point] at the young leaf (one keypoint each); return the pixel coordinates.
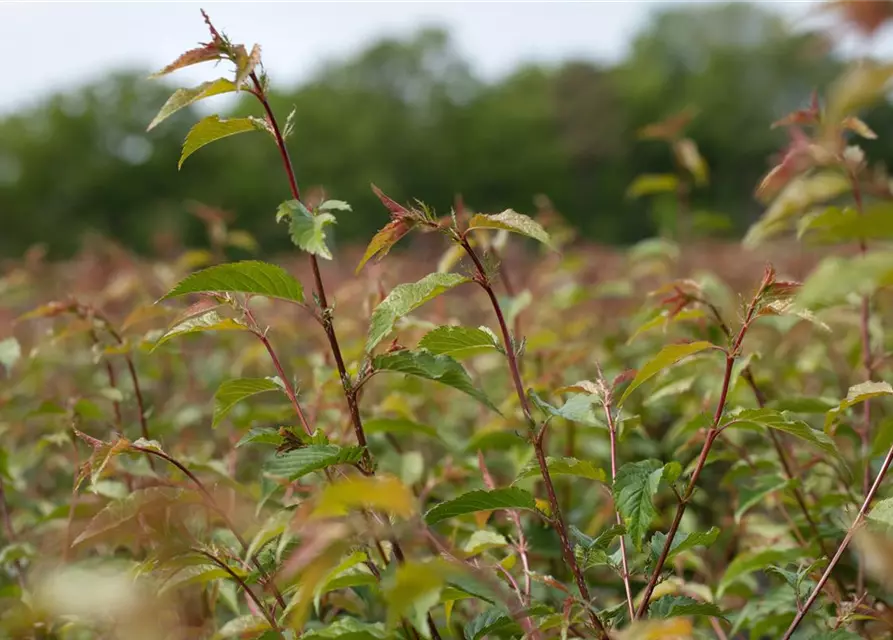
(232, 392)
(212, 128)
(249, 276)
(191, 57)
(10, 352)
(672, 606)
(856, 394)
(634, 488)
(182, 98)
(439, 368)
(771, 419)
(474, 501)
(650, 183)
(404, 298)
(387, 237)
(837, 278)
(298, 463)
(668, 356)
(411, 592)
(308, 231)
(748, 562)
(380, 493)
(210, 321)
(682, 542)
(511, 221)
(458, 342)
(246, 63)
(564, 467)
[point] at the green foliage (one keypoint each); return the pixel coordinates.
(182, 98)
(668, 356)
(474, 501)
(511, 221)
(249, 276)
(459, 342)
(634, 489)
(232, 392)
(214, 128)
(308, 231)
(404, 299)
(293, 465)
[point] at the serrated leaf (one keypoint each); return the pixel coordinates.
(232, 392)
(651, 183)
(260, 436)
(857, 394)
(246, 63)
(458, 342)
(480, 500)
(564, 467)
(496, 621)
(182, 98)
(348, 629)
(667, 357)
(635, 485)
(581, 408)
(511, 221)
(673, 606)
(248, 276)
(299, 462)
(405, 298)
(334, 205)
(308, 231)
(381, 493)
(398, 426)
(10, 352)
(683, 542)
(387, 237)
(193, 56)
(439, 368)
(748, 562)
(771, 419)
(210, 321)
(212, 128)
(837, 278)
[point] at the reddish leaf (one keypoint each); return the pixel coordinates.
(191, 57)
(391, 205)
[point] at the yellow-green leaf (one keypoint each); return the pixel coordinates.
(249, 276)
(212, 128)
(856, 394)
(380, 493)
(182, 98)
(210, 321)
(232, 392)
(651, 183)
(668, 356)
(511, 221)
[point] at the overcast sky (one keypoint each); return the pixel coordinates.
(58, 45)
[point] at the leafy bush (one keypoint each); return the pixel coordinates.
(698, 467)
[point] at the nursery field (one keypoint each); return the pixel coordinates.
(477, 425)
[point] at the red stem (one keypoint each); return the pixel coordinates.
(557, 518)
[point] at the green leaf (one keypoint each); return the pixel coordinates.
(411, 592)
(405, 298)
(564, 467)
(800, 194)
(10, 352)
(748, 562)
(334, 205)
(771, 419)
(881, 515)
(260, 436)
(386, 238)
(483, 540)
(668, 356)
(672, 606)
(474, 501)
(582, 408)
(511, 221)
(382, 493)
(459, 342)
(210, 321)
(348, 629)
(249, 276)
(193, 574)
(182, 98)
(212, 128)
(837, 278)
(308, 231)
(490, 622)
(298, 463)
(752, 496)
(682, 542)
(651, 183)
(634, 488)
(833, 225)
(398, 426)
(232, 392)
(242, 626)
(857, 394)
(439, 368)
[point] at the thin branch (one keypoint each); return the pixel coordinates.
(557, 518)
(843, 545)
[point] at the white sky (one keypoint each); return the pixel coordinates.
(59, 45)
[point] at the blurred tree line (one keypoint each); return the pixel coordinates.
(412, 117)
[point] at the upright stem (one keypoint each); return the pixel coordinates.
(557, 518)
(325, 317)
(843, 545)
(712, 433)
